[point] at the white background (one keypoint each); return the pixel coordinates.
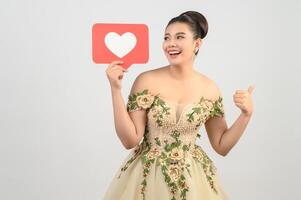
(58, 140)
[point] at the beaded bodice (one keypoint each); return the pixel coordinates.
(167, 120)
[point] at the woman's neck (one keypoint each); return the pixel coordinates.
(182, 73)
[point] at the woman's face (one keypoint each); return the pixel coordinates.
(178, 45)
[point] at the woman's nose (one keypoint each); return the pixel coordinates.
(171, 44)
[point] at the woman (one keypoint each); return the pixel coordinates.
(166, 107)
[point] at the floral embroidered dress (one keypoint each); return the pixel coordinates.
(167, 164)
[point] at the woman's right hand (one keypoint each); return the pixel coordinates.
(115, 74)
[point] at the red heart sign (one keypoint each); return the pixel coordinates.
(126, 42)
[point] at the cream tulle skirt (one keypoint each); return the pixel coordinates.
(127, 185)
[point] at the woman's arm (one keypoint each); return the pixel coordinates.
(129, 126)
(231, 136)
(223, 138)
(124, 126)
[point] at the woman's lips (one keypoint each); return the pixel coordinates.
(173, 53)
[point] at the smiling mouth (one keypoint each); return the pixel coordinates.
(174, 52)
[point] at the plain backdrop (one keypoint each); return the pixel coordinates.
(58, 140)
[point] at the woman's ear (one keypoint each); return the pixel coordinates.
(198, 43)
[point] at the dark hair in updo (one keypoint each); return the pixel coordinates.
(196, 21)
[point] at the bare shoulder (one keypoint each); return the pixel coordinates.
(157, 71)
(145, 80)
(213, 89)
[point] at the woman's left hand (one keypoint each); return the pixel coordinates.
(243, 100)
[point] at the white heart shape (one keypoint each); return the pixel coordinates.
(120, 45)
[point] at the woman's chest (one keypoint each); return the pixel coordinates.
(186, 116)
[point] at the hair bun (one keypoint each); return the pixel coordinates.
(199, 20)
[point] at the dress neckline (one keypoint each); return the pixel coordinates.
(190, 103)
(184, 106)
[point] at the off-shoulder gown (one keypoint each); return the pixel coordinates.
(168, 164)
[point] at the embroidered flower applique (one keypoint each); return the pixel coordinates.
(171, 154)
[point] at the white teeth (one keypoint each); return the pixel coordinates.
(174, 52)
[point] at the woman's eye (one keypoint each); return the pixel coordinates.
(166, 38)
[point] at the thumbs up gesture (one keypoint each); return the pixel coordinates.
(243, 100)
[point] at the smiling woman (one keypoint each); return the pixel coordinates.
(168, 164)
(162, 119)
(197, 23)
(183, 37)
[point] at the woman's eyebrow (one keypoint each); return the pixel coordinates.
(179, 33)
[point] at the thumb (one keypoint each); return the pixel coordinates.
(251, 88)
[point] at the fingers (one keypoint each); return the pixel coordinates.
(239, 104)
(118, 67)
(243, 100)
(240, 91)
(238, 100)
(115, 67)
(116, 62)
(251, 88)
(117, 72)
(240, 96)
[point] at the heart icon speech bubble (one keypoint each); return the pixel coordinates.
(126, 42)
(120, 45)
